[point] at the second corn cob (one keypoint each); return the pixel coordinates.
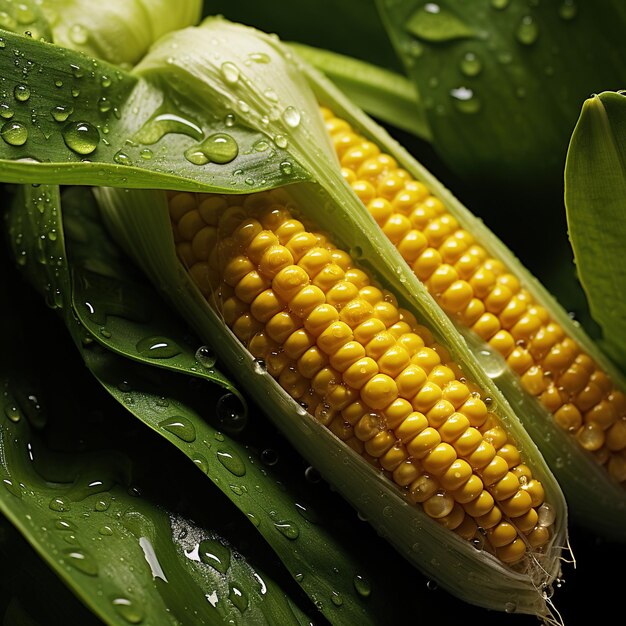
(478, 291)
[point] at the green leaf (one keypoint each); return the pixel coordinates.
(384, 94)
(129, 558)
(67, 116)
(500, 82)
(595, 200)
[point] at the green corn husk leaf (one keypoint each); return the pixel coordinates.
(595, 201)
(501, 82)
(81, 120)
(137, 23)
(449, 560)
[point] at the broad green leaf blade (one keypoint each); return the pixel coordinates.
(68, 118)
(130, 559)
(384, 94)
(595, 201)
(501, 82)
(136, 23)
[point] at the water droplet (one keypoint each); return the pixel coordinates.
(431, 585)
(217, 148)
(105, 531)
(81, 137)
(146, 154)
(231, 414)
(259, 366)
(259, 57)
(362, 585)
(527, 31)
(288, 528)
(62, 524)
(432, 23)
(229, 120)
(201, 462)
(269, 456)
(179, 426)
(291, 117)
(500, 4)
(78, 34)
(281, 141)
(568, 10)
(105, 81)
(103, 502)
(14, 133)
(59, 504)
(312, 475)
(230, 72)
(157, 347)
(82, 561)
(215, 554)
(261, 145)
(12, 488)
(206, 357)
(238, 598)
(231, 460)
(470, 64)
(24, 14)
(21, 93)
(104, 105)
(13, 413)
(128, 610)
(60, 113)
(286, 168)
(5, 111)
(546, 515)
(121, 158)
(465, 100)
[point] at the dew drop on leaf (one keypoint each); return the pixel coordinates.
(5, 111)
(206, 357)
(21, 93)
(81, 137)
(288, 528)
(82, 561)
(231, 460)
(527, 31)
(128, 610)
(215, 554)
(60, 113)
(14, 133)
(179, 426)
(157, 348)
(362, 585)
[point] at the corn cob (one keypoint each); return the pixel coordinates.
(364, 367)
(479, 292)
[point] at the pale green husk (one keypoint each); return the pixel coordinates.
(215, 61)
(137, 23)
